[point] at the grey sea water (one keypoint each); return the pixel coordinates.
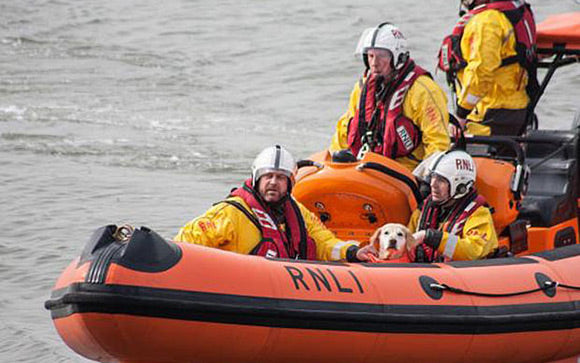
(146, 112)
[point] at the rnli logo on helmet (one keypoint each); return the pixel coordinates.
(397, 34)
(463, 164)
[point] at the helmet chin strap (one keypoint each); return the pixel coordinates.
(389, 77)
(278, 203)
(395, 73)
(383, 84)
(452, 197)
(445, 202)
(277, 208)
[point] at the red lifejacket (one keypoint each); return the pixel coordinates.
(293, 242)
(386, 131)
(454, 220)
(520, 15)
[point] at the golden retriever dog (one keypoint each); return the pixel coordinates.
(393, 241)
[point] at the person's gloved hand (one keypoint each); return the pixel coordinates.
(363, 254)
(461, 113)
(430, 237)
(461, 117)
(367, 253)
(453, 131)
(416, 249)
(419, 237)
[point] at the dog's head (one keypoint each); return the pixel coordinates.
(392, 241)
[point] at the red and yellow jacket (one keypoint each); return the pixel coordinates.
(484, 84)
(425, 104)
(474, 239)
(225, 227)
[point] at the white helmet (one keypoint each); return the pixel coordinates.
(458, 168)
(385, 36)
(273, 158)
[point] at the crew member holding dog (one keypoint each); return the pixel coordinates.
(261, 218)
(454, 222)
(396, 109)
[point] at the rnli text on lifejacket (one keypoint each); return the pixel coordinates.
(324, 279)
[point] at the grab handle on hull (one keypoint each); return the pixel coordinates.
(304, 163)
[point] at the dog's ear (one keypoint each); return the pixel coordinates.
(376, 244)
(375, 237)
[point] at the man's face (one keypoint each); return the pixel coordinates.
(273, 186)
(380, 62)
(439, 188)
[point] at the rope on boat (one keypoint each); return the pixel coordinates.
(547, 285)
(570, 286)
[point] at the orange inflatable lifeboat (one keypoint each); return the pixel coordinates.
(144, 299)
(148, 300)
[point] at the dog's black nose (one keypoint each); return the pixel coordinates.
(392, 243)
